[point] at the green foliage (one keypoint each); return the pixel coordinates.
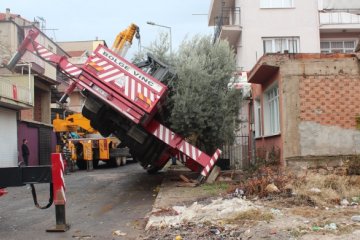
(159, 48)
(202, 107)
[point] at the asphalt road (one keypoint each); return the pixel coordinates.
(98, 203)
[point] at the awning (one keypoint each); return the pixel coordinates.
(262, 73)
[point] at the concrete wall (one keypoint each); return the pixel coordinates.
(329, 104)
(8, 40)
(90, 45)
(301, 21)
(319, 103)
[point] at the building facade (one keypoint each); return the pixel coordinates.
(257, 27)
(306, 108)
(25, 95)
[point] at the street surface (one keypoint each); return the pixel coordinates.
(98, 203)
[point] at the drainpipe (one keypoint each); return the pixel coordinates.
(29, 77)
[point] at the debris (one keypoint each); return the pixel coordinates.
(165, 211)
(344, 202)
(83, 237)
(272, 188)
(182, 184)
(275, 211)
(331, 226)
(215, 231)
(178, 237)
(217, 209)
(213, 174)
(185, 179)
(315, 190)
(355, 218)
(316, 228)
(119, 233)
(224, 179)
(238, 192)
(273, 231)
(355, 199)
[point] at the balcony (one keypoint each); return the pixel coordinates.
(15, 92)
(228, 25)
(339, 21)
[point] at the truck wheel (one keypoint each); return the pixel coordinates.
(153, 170)
(81, 164)
(123, 161)
(95, 163)
(113, 162)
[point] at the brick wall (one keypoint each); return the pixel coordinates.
(330, 100)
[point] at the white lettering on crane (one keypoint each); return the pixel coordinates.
(131, 70)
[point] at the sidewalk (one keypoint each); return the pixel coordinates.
(171, 192)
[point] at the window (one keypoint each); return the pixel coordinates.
(338, 46)
(271, 111)
(281, 44)
(258, 121)
(276, 3)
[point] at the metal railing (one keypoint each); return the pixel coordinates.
(237, 153)
(339, 17)
(12, 91)
(228, 17)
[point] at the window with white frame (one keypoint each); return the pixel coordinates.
(338, 46)
(271, 111)
(281, 44)
(277, 3)
(258, 121)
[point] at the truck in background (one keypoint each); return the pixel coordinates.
(87, 147)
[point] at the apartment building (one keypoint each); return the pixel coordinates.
(25, 95)
(255, 28)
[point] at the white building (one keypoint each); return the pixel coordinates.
(255, 27)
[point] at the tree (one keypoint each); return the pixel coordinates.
(159, 48)
(202, 108)
(205, 110)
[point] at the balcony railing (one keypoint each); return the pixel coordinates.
(331, 18)
(15, 92)
(228, 17)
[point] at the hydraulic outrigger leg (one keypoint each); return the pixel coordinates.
(22, 175)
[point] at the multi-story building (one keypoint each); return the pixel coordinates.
(257, 27)
(25, 95)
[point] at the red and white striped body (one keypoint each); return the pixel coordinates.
(193, 157)
(125, 78)
(58, 169)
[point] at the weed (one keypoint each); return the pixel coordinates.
(215, 188)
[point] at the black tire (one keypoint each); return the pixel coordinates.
(81, 164)
(95, 163)
(153, 170)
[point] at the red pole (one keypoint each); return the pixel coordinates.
(58, 168)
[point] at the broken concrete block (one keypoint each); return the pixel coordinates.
(213, 174)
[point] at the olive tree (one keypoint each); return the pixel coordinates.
(203, 109)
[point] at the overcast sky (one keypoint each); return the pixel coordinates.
(87, 19)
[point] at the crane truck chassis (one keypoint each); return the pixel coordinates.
(89, 147)
(124, 100)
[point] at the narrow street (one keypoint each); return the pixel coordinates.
(98, 203)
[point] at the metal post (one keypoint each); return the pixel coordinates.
(154, 24)
(59, 193)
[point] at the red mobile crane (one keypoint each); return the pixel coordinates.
(125, 100)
